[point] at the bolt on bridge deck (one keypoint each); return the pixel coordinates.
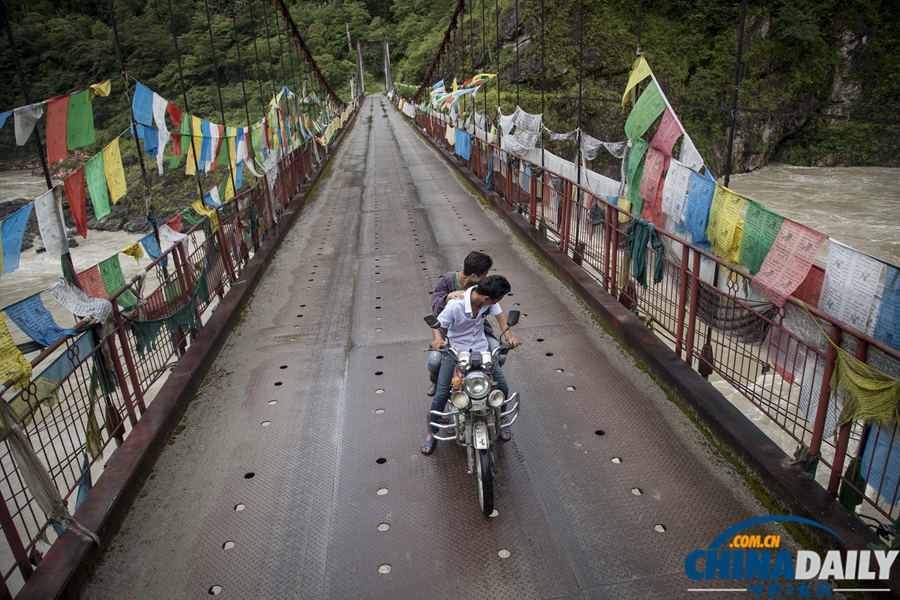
(298, 474)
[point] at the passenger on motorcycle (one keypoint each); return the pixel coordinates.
(451, 286)
(464, 322)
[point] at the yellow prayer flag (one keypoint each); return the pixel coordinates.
(190, 167)
(12, 364)
(135, 251)
(229, 187)
(493, 134)
(115, 173)
(208, 212)
(1, 254)
(232, 151)
(639, 71)
(450, 135)
(455, 87)
(214, 221)
(101, 89)
(196, 139)
(624, 204)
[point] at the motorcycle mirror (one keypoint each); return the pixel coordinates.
(512, 318)
(432, 321)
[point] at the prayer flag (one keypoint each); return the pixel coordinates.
(649, 106)
(48, 210)
(32, 317)
(79, 303)
(91, 282)
(80, 126)
(175, 223)
(101, 89)
(142, 104)
(723, 217)
(787, 263)
(761, 227)
(887, 329)
(151, 245)
(640, 70)
(114, 280)
(654, 165)
(12, 232)
(115, 173)
(26, 117)
(667, 134)
(12, 364)
(699, 201)
(634, 195)
(162, 132)
(675, 191)
(57, 114)
(689, 156)
(3, 117)
(135, 251)
(851, 279)
(74, 185)
(95, 176)
(635, 155)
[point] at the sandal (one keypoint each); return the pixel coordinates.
(428, 447)
(505, 434)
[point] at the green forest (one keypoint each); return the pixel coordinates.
(819, 82)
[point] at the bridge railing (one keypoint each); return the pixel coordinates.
(87, 392)
(724, 330)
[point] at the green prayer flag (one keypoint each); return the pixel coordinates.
(224, 157)
(634, 192)
(638, 149)
(761, 227)
(80, 124)
(113, 280)
(649, 106)
(95, 176)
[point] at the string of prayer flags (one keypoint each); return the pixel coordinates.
(26, 117)
(788, 262)
(761, 227)
(74, 185)
(55, 133)
(95, 176)
(12, 364)
(851, 279)
(91, 282)
(115, 173)
(887, 329)
(32, 317)
(675, 191)
(80, 123)
(135, 251)
(646, 110)
(79, 303)
(723, 216)
(48, 210)
(12, 232)
(699, 202)
(640, 70)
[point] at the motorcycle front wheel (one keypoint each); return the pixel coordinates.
(485, 476)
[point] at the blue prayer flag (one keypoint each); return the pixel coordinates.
(151, 247)
(206, 148)
(12, 232)
(3, 117)
(142, 104)
(85, 484)
(699, 201)
(32, 317)
(888, 328)
(239, 176)
(463, 144)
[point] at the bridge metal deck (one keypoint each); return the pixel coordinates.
(276, 488)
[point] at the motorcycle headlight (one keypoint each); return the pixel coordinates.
(460, 400)
(477, 384)
(496, 398)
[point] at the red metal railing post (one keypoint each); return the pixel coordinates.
(129, 362)
(682, 298)
(566, 215)
(14, 541)
(607, 239)
(532, 201)
(692, 320)
(815, 445)
(123, 382)
(840, 452)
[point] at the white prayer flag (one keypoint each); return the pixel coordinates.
(78, 302)
(48, 210)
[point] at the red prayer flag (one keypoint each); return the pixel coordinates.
(667, 134)
(57, 117)
(75, 195)
(175, 223)
(175, 114)
(811, 288)
(176, 144)
(91, 282)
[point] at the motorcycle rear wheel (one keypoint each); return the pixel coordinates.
(485, 483)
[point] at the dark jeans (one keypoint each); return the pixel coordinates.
(445, 376)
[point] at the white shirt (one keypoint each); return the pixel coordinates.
(464, 332)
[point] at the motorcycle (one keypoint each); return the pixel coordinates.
(476, 411)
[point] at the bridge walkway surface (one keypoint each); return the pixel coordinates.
(274, 486)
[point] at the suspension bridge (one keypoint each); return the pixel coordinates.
(255, 428)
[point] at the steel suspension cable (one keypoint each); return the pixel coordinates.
(445, 44)
(237, 41)
(212, 48)
(308, 55)
(269, 45)
(517, 53)
(262, 97)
